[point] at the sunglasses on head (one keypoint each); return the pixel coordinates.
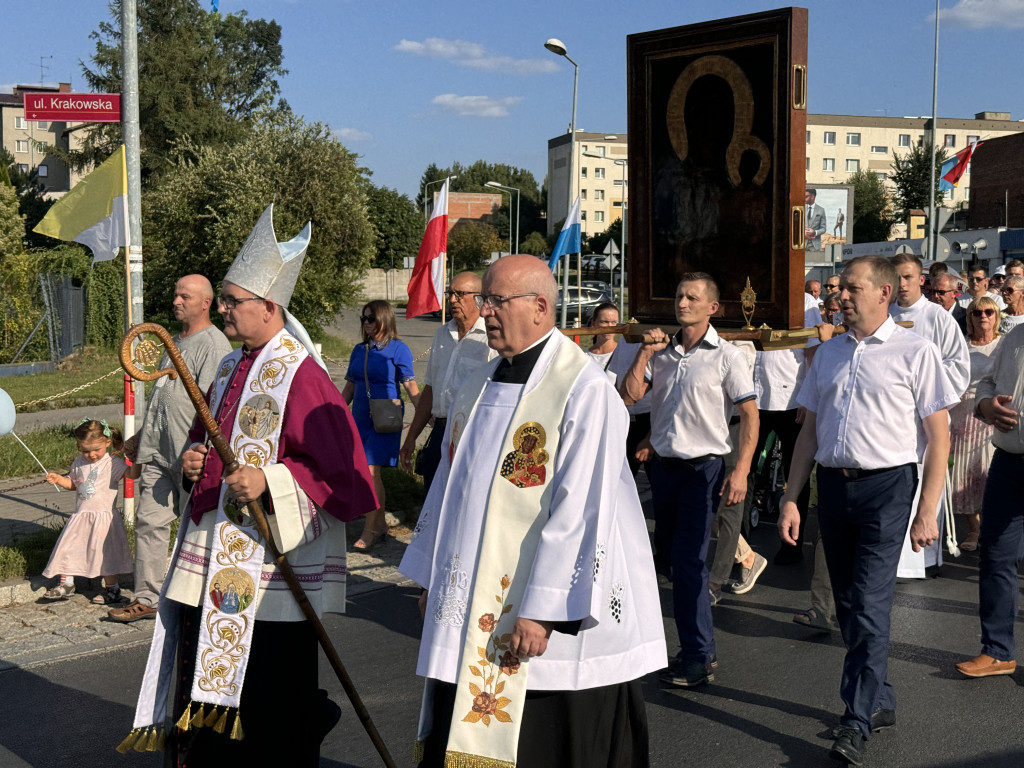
(368, 319)
(979, 312)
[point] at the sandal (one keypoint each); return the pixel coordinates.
(970, 542)
(60, 592)
(109, 596)
(811, 618)
(375, 537)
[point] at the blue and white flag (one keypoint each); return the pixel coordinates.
(569, 238)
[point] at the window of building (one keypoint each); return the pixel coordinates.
(599, 194)
(599, 216)
(972, 139)
(830, 137)
(583, 172)
(23, 167)
(853, 139)
(20, 123)
(882, 175)
(42, 125)
(21, 146)
(583, 194)
(43, 171)
(583, 148)
(599, 173)
(617, 182)
(616, 203)
(808, 137)
(599, 151)
(828, 164)
(904, 140)
(807, 163)
(950, 140)
(879, 149)
(852, 166)
(583, 215)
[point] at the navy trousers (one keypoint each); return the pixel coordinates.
(863, 523)
(685, 496)
(1001, 546)
(429, 457)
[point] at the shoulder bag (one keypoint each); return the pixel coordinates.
(385, 413)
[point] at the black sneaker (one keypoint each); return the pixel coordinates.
(849, 745)
(687, 674)
(882, 719)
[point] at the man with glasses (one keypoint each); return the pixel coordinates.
(978, 286)
(163, 437)
(695, 379)
(832, 284)
(532, 545)
(458, 348)
(1013, 295)
(944, 294)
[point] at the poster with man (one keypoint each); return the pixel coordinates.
(828, 222)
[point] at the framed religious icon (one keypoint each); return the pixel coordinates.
(717, 121)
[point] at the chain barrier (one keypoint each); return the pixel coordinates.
(21, 487)
(70, 391)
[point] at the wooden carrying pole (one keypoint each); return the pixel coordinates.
(220, 444)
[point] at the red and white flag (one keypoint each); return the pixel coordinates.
(427, 283)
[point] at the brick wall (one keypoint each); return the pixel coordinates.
(997, 183)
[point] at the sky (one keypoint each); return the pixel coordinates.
(406, 83)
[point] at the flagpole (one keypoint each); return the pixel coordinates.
(933, 230)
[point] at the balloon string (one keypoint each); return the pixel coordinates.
(34, 457)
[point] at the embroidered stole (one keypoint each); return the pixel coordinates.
(236, 561)
(491, 687)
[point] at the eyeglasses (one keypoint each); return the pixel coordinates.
(977, 279)
(457, 295)
(230, 302)
(495, 301)
(980, 312)
(367, 319)
(1008, 291)
(939, 292)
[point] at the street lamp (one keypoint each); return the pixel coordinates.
(558, 48)
(502, 186)
(425, 196)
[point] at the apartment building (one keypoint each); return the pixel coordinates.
(30, 141)
(837, 146)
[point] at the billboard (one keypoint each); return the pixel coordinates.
(829, 217)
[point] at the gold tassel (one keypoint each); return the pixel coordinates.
(128, 743)
(417, 751)
(161, 741)
(211, 718)
(236, 730)
(140, 745)
(467, 760)
(183, 723)
(151, 743)
(222, 722)
(199, 717)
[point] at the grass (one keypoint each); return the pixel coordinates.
(55, 447)
(73, 372)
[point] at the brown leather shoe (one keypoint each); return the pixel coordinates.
(131, 612)
(986, 666)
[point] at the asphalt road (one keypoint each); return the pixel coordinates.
(773, 701)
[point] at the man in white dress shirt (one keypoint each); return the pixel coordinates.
(868, 395)
(540, 599)
(459, 346)
(978, 286)
(933, 323)
(695, 379)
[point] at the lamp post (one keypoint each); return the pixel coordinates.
(502, 186)
(558, 48)
(436, 181)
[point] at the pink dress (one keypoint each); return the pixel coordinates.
(93, 542)
(970, 439)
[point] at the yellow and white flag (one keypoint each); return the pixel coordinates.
(95, 211)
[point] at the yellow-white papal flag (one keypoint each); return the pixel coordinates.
(95, 211)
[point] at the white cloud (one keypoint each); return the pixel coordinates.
(475, 56)
(476, 106)
(986, 13)
(352, 134)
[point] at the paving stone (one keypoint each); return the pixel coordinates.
(41, 642)
(77, 635)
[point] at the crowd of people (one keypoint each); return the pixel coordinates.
(540, 581)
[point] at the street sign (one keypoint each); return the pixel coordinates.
(73, 107)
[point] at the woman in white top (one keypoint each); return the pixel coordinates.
(971, 439)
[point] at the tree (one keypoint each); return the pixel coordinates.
(872, 219)
(470, 245)
(32, 202)
(12, 222)
(599, 241)
(911, 174)
(201, 75)
(202, 211)
(536, 244)
(398, 226)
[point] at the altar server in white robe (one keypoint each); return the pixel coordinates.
(540, 597)
(934, 323)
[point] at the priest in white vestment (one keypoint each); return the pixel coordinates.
(540, 597)
(934, 323)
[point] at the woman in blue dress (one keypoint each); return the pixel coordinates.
(388, 363)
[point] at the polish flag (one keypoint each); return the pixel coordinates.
(427, 283)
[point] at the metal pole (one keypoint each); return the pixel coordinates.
(933, 229)
(622, 246)
(569, 182)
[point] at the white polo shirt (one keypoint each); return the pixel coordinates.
(692, 396)
(871, 396)
(778, 373)
(452, 360)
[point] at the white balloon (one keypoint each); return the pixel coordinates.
(7, 415)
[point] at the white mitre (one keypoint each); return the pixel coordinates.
(270, 269)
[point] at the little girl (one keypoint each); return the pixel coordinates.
(93, 542)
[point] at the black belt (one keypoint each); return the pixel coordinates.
(439, 422)
(672, 460)
(857, 474)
